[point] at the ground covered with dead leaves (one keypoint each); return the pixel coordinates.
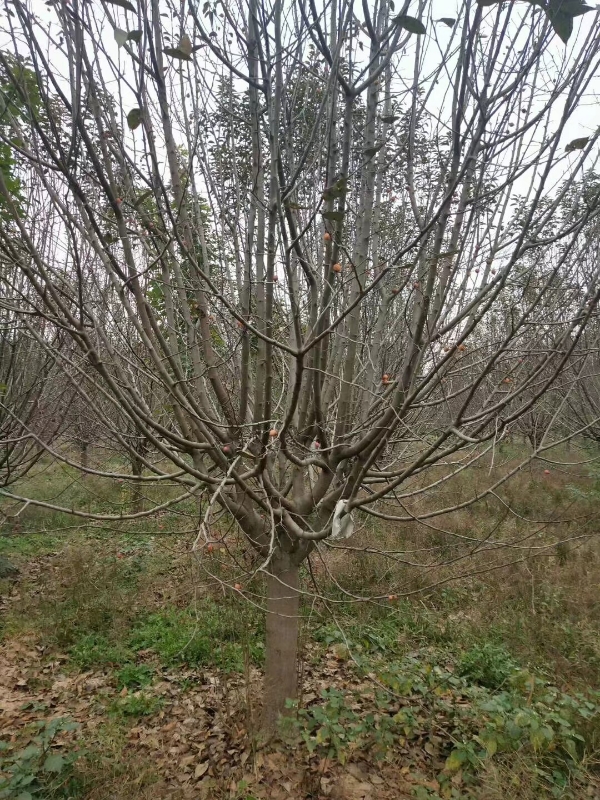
(157, 692)
(200, 744)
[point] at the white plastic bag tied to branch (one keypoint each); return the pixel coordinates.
(343, 524)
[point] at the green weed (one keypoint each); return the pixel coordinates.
(487, 664)
(38, 770)
(473, 723)
(134, 676)
(136, 705)
(335, 728)
(94, 597)
(96, 650)
(216, 635)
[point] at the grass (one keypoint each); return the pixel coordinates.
(103, 612)
(136, 705)
(557, 635)
(129, 600)
(487, 664)
(110, 769)
(215, 635)
(134, 676)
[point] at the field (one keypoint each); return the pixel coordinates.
(131, 668)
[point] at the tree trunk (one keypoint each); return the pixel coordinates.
(84, 447)
(137, 496)
(281, 676)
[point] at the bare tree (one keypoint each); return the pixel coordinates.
(329, 238)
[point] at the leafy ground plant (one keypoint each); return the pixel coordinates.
(474, 724)
(138, 704)
(216, 634)
(487, 664)
(134, 676)
(38, 770)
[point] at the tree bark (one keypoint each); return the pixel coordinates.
(84, 447)
(137, 496)
(281, 675)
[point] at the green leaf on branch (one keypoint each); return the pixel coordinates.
(338, 189)
(19, 99)
(449, 21)
(484, 3)
(183, 51)
(176, 52)
(134, 36)
(121, 37)
(562, 25)
(144, 196)
(561, 13)
(410, 24)
(572, 8)
(122, 4)
(577, 144)
(371, 151)
(134, 118)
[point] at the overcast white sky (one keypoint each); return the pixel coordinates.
(584, 122)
